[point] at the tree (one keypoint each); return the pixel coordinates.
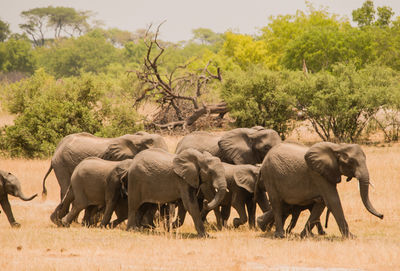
(4, 30)
(179, 91)
(365, 15)
(88, 53)
(385, 15)
(245, 51)
(340, 104)
(206, 36)
(17, 55)
(258, 97)
(36, 24)
(61, 19)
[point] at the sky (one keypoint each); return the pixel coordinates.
(243, 16)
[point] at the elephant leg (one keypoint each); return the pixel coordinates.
(121, 210)
(276, 204)
(180, 218)
(332, 199)
(225, 213)
(262, 201)
(111, 204)
(190, 203)
(75, 210)
(239, 204)
(5, 204)
(250, 210)
(165, 216)
(266, 221)
(218, 217)
(295, 216)
(62, 209)
(87, 218)
(316, 212)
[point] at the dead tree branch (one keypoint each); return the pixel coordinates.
(173, 90)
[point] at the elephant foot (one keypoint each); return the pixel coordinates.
(322, 232)
(64, 223)
(15, 225)
(279, 235)
(203, 235)
(237, 222)
(261, 224)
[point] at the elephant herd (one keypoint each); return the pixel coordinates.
(134, 175)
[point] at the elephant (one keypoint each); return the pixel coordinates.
(75, 147)
(99, 183)
(237, 146)
(266, 221)
(299, 175)
(241, 181)
(157, 176)
(10, 185)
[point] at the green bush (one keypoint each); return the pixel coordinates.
(48, 110)
(340, 103)
(258, 97)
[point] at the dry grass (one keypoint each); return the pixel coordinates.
(40, 245)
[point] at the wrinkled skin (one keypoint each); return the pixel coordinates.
(299, 175)
(10, 185)
(238, 146)
(96, 184)
(75, 147)
(156, 176)
(241, 181)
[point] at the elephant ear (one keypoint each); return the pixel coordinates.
(186, 166)
(321, 158)
(245, 177)
(235, 147)
(119, 175)
(119, 150)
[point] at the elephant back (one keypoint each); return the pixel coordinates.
(200, 141)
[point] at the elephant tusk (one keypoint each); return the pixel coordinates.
(372, 185)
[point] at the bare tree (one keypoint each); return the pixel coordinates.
(178, 91)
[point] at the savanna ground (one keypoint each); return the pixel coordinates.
(40, 245)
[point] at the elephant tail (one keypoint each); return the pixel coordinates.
(44, 192)
(327, 217)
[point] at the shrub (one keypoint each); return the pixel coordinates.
(258, 97)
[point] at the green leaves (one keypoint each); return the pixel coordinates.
(258, 97)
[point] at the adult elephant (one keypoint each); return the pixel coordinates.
(10, 185)
(156, 176)
(298, 175)
(96, 183)
(75, 147)
(237, 146)
(241, 181)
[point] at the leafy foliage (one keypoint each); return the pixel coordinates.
(258, 97)
(50, 109)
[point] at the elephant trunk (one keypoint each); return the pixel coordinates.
(20, 195)
(364, 187)
(220, 185)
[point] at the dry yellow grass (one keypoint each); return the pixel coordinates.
(40, 245)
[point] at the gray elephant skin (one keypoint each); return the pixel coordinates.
(237, 146)
(10, 185)
(75, 147)
(97, 183)
(156, 176)
(298, 175)
(241, 181)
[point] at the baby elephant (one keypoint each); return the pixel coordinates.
(96, 182)
(241, 182)
(9, 184)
